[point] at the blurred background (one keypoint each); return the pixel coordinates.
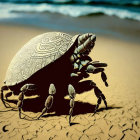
(119, 18)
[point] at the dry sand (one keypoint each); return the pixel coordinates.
(120, 121)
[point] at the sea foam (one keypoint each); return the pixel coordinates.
(9, 10)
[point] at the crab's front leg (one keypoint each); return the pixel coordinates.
(85, 44)
(96, 67)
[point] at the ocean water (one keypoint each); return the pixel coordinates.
(124, 9)
(114, 18)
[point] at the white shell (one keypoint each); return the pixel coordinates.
(36, 54)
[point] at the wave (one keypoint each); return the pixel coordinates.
(9, 10)
(89, 2)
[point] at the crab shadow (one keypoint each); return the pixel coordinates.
(60, 105)
(80, 108)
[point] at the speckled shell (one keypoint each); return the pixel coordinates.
(36, 54)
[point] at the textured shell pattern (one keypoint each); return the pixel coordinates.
(36, 54)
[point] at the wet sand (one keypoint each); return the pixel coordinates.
(120, 121)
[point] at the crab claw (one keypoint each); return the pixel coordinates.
(83, 38)
(86, 43)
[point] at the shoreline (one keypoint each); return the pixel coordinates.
(102, 25)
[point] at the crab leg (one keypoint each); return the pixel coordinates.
(49, 100)
(104, 78)
(72, 94)
(2, 96)
(23, 90)
(100, 96)
(96, 68)
(8, 95)
(20, 103)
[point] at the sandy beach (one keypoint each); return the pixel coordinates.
(121, 121)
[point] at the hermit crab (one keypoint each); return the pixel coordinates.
(48, 60)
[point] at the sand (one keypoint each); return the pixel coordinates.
(120, 121)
